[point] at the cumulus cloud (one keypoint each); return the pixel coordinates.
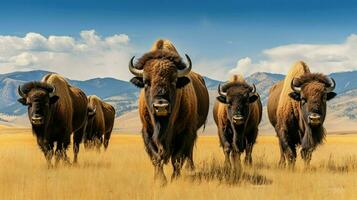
(325, 58)
(88, 56)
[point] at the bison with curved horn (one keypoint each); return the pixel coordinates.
(55, 110)
(237, 114)
(173, 105)
(297, 110)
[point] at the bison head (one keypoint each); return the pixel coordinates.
(313, 90)
(160, 73)
(38, 97)
(238, 99)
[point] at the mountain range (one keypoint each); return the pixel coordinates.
(123, 96)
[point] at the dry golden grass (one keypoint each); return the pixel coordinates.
(124, 172)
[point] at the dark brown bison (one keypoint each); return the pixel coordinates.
(100, 123)
(172, 106)
(55, 110)
(237, 113)
(297, 110)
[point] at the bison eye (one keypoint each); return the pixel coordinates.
(147, 82)
(303, 101)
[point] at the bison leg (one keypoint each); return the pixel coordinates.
(177, 162)
(225, 143)
(98, 140)
(250, 140)
(159, 173)
(248, 154)
(190, 164)
(289, 149)
(282, 155)
(226, 156)
(61, 148)
(158, 163)
(188, 150)
(234, 159)
(77, 138)
(236, 167)
(106, 139)
(47, 149)
(306, 155)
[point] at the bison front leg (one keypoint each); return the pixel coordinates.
(282, 160)
(248, 154)
(47, 149)
(106, 139)
(177, 162)
(306, 155)
(188, 150)
(250, 140)
(77, 138)
(236, 167)
(288, 149)
(61, 149)
(159, 175)
(225, 143)
(158, 163)
(98, 140)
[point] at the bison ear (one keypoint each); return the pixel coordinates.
(253, 97)
(54, 99)
(295, 96)
(222, 99)
(182, 81)
(331, 95)
(22, 101)
(138, 82)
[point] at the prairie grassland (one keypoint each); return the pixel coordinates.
(124, 172)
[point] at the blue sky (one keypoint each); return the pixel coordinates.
(212, 32)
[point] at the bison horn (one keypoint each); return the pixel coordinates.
(332, 85)
(254, 89)
(133, 70)
(294, 88)
(184, 72)
(52, 93)
(220, 92)
(21, 93)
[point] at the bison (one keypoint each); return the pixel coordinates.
(237, 113)
(173, 105)
(100, 123)
(55, 110)
(297, 110)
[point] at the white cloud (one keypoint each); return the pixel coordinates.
(324, 58)
(85, 57)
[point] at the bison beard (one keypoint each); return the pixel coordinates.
(162, 137)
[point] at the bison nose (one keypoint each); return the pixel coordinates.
(238, 119)
(37, 119)
(314, 119)
(161, 107)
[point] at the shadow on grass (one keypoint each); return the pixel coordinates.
(213, 171)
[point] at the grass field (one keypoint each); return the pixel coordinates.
(124, 172)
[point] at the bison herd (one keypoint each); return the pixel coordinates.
(174, 104)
